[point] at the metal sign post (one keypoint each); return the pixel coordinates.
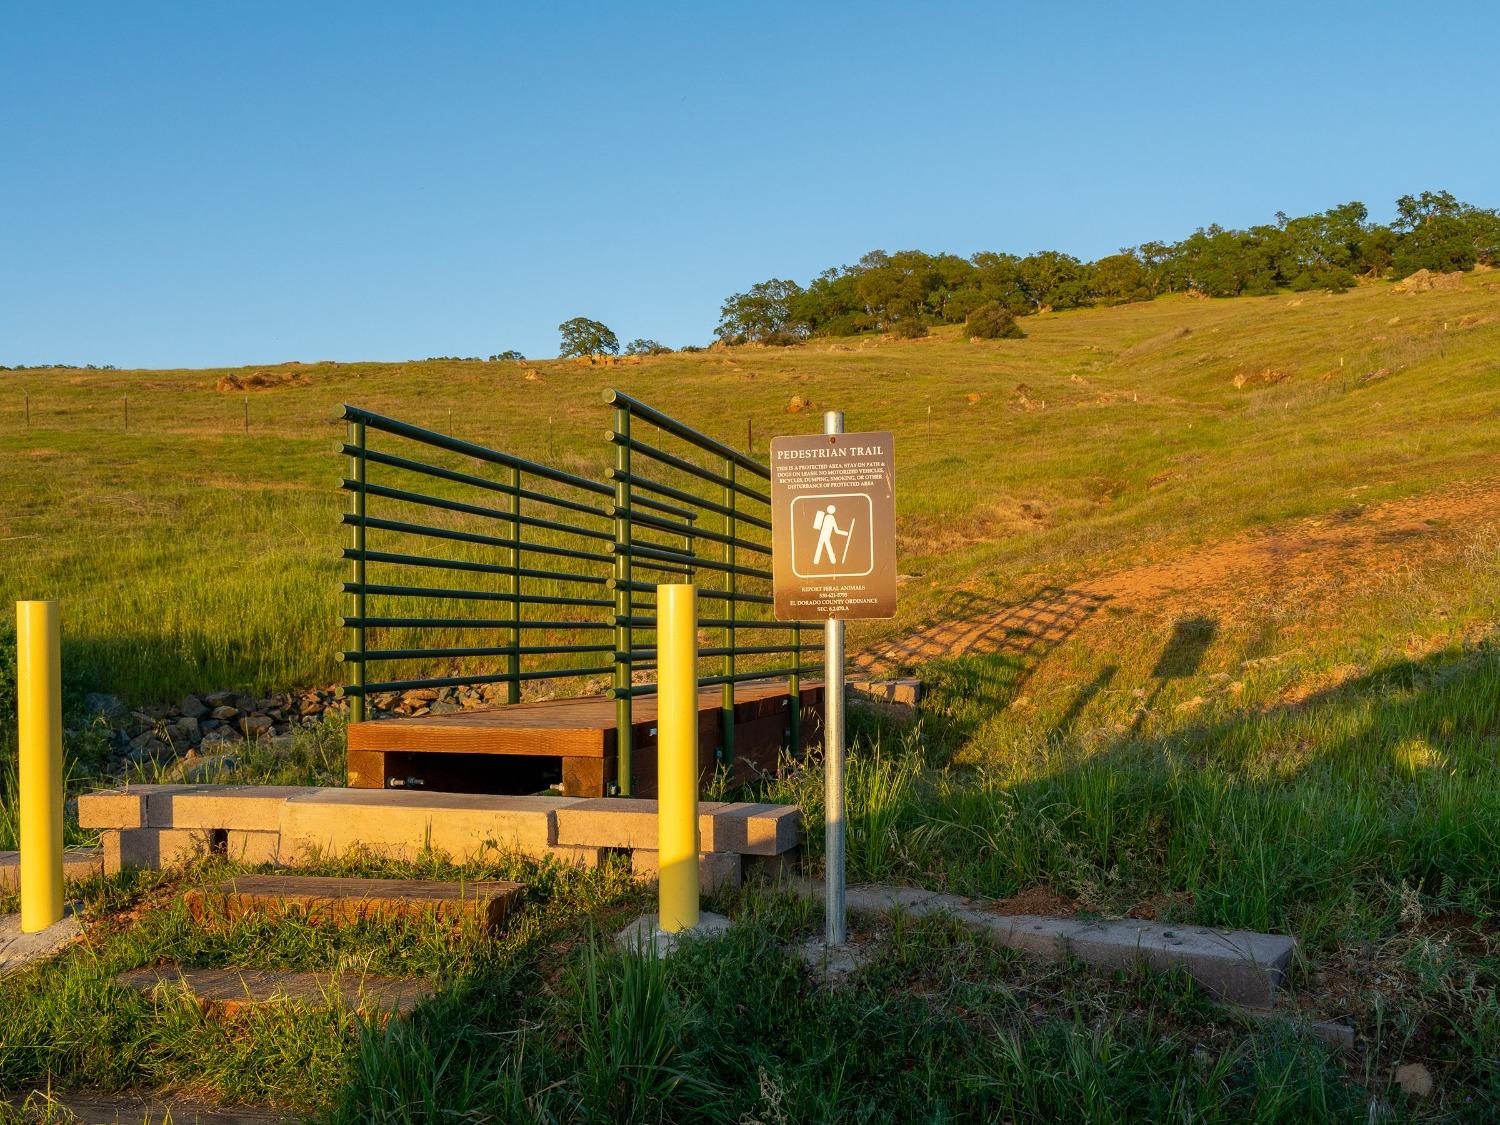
(835, 929)
(833, 541)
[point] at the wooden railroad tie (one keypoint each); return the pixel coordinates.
(346, 901)
(227, 992)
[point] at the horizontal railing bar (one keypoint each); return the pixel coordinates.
(676, 462)
(703, 592)
(465, 681)
(454, 475)
(472, 595)
(698, 532)
(771, 674)
(472, 509)
(686, 497)
(453, 653)
(472, 537)
(751, 650)
(638, 655)
(712, 681)
(471, 567)
(731, 623)
(469, 449)
(643, 563)
(465, 623)
(686, 433)
(667, 554)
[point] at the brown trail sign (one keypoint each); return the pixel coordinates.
(833, 526)
(833, 556)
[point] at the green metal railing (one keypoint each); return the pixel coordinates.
(713, 481)
(552, 551)
(562, 556)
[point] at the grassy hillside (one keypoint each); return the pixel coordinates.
(190, 553)
(1205, 595)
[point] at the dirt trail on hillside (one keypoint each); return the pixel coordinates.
(1303, 560)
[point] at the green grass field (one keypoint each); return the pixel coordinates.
(1210, 637)
(192, 555)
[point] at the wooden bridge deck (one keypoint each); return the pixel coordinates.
(525, 747)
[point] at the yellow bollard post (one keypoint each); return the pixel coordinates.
(677, 755)
(39, 711)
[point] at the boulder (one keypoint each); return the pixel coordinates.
(109, 707)
(256, 724)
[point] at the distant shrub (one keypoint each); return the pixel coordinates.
(646, 347)
(1327, 277)
(781, 339)
(691, 349)
(993, 322)
(908, 328)
(509, 354)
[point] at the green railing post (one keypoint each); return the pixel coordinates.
(731, 585)
(624, 638)
(357, 536)
(513, 587)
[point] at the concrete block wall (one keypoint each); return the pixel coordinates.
(161, 826)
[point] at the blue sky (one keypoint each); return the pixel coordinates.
(213, 183)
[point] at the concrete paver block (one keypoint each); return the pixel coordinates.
(622, 822)
(907, 692)
(152, 849)
(117, 808)
(252, 847)
(753, 829)
(252, 808)
(1237, 966)
(404, 823)
(78, 864)
(17, 950)
(644, 938)
(716, 870)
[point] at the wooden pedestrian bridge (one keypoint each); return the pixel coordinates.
(548, 579)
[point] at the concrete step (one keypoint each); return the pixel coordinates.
(78, 864)
(228, 992)
(1237, 966)
(345, 901)
(157, 826)
(741, 827)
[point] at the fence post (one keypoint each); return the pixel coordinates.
(357, 535)
(624, 638)
(513, 669)
(677, 755)
(731, 587)
(39, 715)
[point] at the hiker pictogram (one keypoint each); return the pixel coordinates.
(831, 536)
(827, 527)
